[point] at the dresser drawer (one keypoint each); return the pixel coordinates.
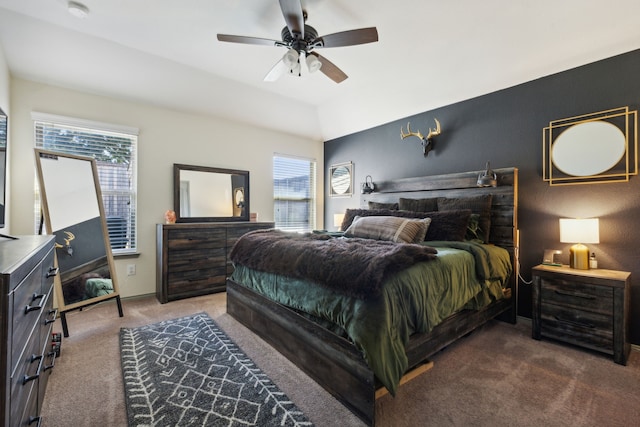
(183, 239)
(29, 299)
(48, 364)
(30, 416)
(187, 260)
(576, 295)
(196, 279)
(29, 368)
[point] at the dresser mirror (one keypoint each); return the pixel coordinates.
(72, 210)
(202, 194)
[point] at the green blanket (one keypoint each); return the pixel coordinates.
(413, 300)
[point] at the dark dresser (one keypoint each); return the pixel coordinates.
(27, 316)
(588, 308)
(193, 258)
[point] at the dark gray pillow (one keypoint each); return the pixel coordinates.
(418, 205)
(380, 205)
(447, 225)
(480, 205)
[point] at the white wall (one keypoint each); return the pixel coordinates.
(165, 137)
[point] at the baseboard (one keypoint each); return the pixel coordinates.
(523, 319)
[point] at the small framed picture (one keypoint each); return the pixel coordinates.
(341, 180)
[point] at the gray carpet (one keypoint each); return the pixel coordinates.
(497, 376)
(187, 372)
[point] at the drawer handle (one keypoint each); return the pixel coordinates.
(574, 323)
(576, 294)
(53, 271)
(28, 378)
(34, 298)
(52, 318)
(52, 355)
(33, 419)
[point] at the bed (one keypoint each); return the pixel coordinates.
(263, 296)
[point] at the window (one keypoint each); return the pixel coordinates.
(115, 150)
(294, 193)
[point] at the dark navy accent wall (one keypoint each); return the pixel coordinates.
(505, 127)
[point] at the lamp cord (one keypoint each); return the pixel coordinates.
(522, 279)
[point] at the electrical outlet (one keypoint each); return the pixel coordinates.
(131, 270)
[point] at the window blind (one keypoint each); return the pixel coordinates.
(294, 193)
(116, 159)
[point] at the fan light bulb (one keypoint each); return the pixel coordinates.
(313, 63)
(290, 58)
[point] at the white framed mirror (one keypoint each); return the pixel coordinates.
(72, 210)
(341, 180)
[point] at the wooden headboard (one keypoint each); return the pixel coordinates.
(504, 209)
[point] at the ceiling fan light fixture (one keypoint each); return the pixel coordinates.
(78, 9)
(290, 58)
(313, 63)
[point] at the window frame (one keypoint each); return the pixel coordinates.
(99, 129)
(291, 199)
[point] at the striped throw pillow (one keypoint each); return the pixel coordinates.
(392, 228)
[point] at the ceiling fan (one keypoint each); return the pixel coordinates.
(301, 41)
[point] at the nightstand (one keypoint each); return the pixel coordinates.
(588, 308)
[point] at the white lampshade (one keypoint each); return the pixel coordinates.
(583, 230)
(313, 63)
(337, 220)
(290, 58)
(579, 231)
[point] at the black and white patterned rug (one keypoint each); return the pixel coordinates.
(187, 372)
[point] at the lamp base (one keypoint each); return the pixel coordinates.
(579, 257)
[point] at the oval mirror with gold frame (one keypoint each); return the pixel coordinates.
(600, 147)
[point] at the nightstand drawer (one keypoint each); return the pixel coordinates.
(576, 295)
(585, 328)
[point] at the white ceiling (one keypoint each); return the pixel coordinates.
(430, 54)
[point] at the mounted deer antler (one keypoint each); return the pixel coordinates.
(67, 242)
(427, 143)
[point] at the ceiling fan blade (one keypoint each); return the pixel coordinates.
(276, 72)
(330, 70)
(348, 38)
(248, 40)
(293, 16)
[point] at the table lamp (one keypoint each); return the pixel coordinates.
(579, 231)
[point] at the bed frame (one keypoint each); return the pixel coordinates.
(333, 361)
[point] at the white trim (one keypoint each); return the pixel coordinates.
(294, 157)
(72, 121)
(635, 347)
